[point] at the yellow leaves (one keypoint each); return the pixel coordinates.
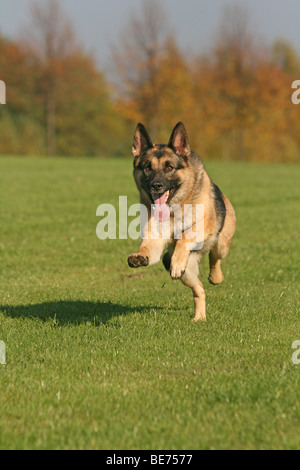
(233, 110)
(235, 100)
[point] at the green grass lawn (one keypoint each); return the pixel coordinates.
(103, 357)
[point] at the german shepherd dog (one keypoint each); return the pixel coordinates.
(174, 175)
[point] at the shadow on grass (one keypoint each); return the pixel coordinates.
(72, 312)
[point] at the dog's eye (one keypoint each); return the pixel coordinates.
(148, 169)
(169, 168)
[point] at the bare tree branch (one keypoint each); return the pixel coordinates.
(50, 38)
(137, 57)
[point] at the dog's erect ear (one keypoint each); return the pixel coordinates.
(141, 141)
(179, 141)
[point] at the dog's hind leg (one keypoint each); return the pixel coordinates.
(221, 248)
(190, 279)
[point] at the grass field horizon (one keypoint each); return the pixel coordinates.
(103, 357)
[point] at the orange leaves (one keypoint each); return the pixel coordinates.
(235, 100)
(235, 108)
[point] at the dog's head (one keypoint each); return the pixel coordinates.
(162, 171)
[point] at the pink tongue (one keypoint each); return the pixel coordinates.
(160, 199)
(162, 211)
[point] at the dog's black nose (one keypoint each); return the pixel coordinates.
(157, 186)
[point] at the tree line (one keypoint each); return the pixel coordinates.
(235, 99)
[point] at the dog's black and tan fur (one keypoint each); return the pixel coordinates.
(178, 173)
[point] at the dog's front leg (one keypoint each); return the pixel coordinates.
(179, 259)
(150, 253)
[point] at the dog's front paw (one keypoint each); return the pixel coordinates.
(177, 271)
(138, 260)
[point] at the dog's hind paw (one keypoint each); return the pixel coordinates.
(137, 260)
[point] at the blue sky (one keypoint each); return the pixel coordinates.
(99, 22)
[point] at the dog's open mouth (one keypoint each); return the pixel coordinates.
(163, 198)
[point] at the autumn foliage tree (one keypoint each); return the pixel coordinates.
(50, 40)
(153, 82)
(137, 60)
(235, 99)
(244, 96)
(21, 130)
(58, 103)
